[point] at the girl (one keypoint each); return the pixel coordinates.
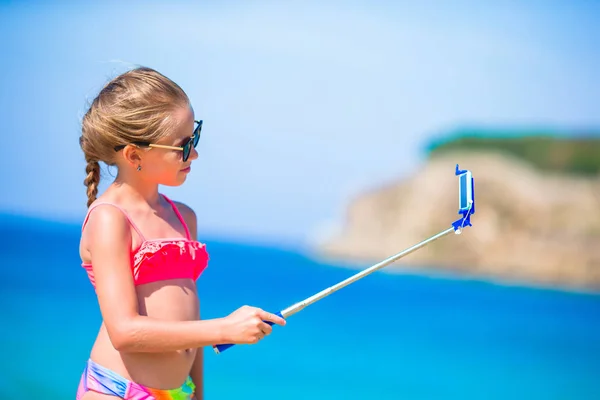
(140, 249)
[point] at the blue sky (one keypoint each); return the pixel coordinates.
(305, 103)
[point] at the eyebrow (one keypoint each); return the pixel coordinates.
(180, 141)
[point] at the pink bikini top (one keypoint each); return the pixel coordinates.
(161, 259)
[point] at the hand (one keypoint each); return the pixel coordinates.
(246, 325)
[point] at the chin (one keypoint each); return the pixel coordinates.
(171, 178)
(180, 180)
(173, 183)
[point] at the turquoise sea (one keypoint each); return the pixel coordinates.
(388, 336)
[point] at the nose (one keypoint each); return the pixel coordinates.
(193, 154)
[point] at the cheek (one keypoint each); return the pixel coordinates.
(168, 159)
(164, 166)
(173, 158)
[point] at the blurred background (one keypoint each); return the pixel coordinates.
(331, 134)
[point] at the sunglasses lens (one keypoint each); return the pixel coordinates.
(186, 151)
(197, 133)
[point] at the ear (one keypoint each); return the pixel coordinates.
(133, 155)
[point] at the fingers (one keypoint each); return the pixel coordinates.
(267, 316)
(257, 338)
(266, 329)
(255, 322)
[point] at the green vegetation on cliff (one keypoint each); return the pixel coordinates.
(577, 154)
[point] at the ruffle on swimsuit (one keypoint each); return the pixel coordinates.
(185, 258)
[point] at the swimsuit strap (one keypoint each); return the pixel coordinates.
(187, 231)
(122, 210)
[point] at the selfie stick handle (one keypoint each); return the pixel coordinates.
(326, 292)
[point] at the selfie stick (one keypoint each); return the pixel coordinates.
(466, 199)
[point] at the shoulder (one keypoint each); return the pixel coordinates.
(107, 217)
(185, 210)
(188, 215)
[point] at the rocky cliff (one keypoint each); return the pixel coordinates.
(530, 226)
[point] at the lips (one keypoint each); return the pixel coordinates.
(188, 169)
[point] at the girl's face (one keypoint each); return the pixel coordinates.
(166, 166)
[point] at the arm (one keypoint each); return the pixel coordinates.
(197, 371)
(197, 374)
(109, 242)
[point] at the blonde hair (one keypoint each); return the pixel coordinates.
(134, 106)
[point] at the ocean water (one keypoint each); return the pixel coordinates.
(387, 336)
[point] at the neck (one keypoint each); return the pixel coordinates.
(139, 190)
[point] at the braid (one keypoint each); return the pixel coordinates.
(92, 179)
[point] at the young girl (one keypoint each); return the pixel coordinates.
(140, 250)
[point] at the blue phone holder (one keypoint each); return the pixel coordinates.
(466, 199)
